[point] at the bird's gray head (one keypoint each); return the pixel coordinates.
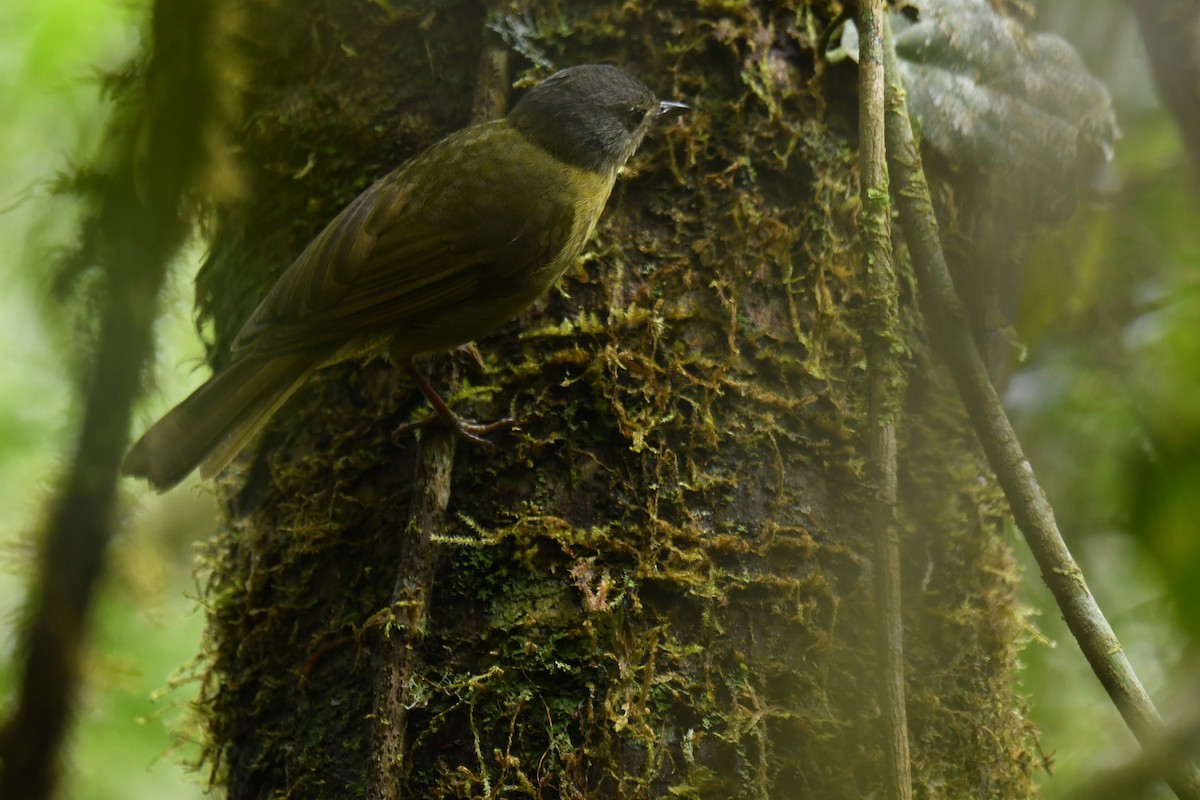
(593, 116)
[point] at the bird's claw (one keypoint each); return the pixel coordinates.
(466, 430)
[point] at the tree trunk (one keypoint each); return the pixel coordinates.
(660, 583)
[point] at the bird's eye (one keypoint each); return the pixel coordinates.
(636, 115)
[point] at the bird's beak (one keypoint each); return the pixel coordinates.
(672, 108)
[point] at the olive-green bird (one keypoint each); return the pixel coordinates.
(439, 252)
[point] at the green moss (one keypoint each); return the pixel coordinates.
(659, 583)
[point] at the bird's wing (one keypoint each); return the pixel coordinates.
(399, 254)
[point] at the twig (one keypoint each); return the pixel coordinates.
(1140, 776)
(950, 332)
(410, 606)
(875, 225)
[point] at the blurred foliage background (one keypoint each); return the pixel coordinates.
(133, 735)
(1106, 402)
(1108, 407)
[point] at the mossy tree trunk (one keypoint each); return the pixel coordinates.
(660, 584)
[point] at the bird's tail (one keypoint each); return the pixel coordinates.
(216, 421)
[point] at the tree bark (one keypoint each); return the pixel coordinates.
(661, 583)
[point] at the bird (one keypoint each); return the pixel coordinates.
(440, 251)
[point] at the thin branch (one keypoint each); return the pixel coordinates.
(950, 332)
(397, 657)
(875, 225)
(1139, 778)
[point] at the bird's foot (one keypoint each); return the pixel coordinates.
(466, 430)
